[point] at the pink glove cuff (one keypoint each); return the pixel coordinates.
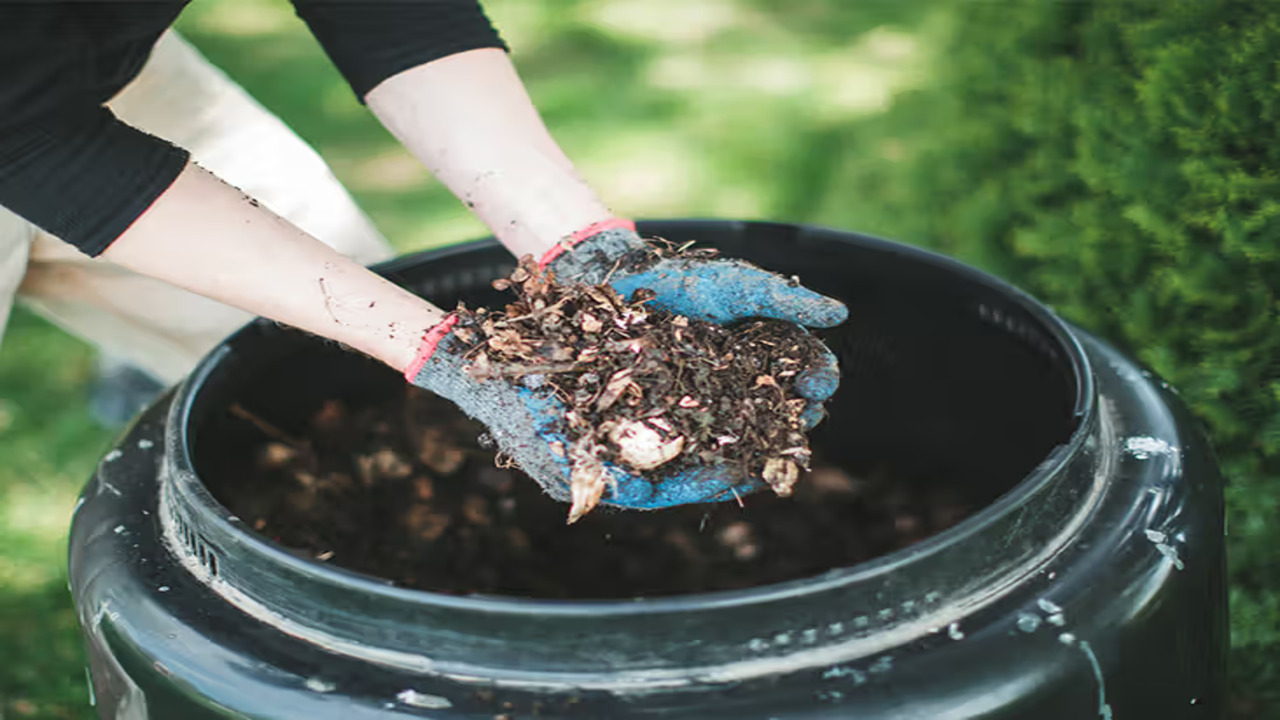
(430, 340)
(583, 234)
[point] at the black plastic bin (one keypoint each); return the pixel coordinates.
(1089, 585)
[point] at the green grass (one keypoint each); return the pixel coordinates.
(741, 108)
(47, 449)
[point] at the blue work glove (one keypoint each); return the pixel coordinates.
(527, 420)
(717, 290)
(528, 423)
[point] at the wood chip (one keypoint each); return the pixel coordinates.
(438, 453)
(613, 390)
(589, 323)
(276, 454)
(781, 474)
(388, 464)
(479, 368)
(586, 481)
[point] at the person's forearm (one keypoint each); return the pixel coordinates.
(468, 118)
(210, 238)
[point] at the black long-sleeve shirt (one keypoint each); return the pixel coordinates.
(69, 166)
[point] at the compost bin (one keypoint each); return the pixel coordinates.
(1010, 520)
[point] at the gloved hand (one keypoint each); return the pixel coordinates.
(717, 290)
(527, 420)
(527, 423)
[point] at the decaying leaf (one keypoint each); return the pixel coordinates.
(479, 368)
(587, 480)
(437, 453)
(388, 464)
(618, 384)
(510, 342)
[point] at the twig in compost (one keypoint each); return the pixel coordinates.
(270, 430)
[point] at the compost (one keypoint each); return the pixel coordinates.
(649, 390)
(405, 491)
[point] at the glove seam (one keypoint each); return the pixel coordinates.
(577, 237)
(430, 341)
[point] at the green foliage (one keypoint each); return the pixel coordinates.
(1120, 159)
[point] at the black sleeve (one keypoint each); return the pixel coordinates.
(67, 164)
(83, 175)
(369, 41)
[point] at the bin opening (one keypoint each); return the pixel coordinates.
(954, 389)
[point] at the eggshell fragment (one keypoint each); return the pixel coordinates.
(643, 447)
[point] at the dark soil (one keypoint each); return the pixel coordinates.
(404, 491)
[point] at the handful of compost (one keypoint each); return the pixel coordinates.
(605, 397)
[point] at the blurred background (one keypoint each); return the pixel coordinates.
(1118, 158)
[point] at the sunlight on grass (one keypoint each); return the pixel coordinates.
(523, 24)
(865, 78)
(836, 84)
(42, 512)
(37, 499)
(246, 18)
(440, 230)
(663, 22)
(393, 169)
(337, 101)
(645, 172)
(34, 518)
(18, 575)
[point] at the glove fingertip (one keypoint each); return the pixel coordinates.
(801, 305)
(823, 312)
(818, 384)
(812, 414)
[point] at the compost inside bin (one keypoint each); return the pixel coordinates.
(944, 405)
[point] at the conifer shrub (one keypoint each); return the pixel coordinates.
(1120, 159)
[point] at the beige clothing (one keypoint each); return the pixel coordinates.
(179, 96)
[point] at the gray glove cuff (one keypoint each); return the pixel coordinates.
(497, 404)
(591, 260)
(444, 373)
